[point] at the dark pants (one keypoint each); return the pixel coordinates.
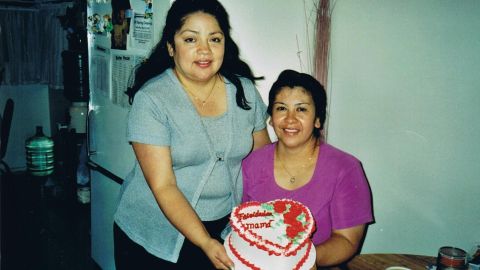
(130, 255)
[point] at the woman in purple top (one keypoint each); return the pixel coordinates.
(302, 167)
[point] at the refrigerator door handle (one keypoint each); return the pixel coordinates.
(94, 166)
(90, 144)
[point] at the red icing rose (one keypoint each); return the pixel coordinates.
(291, 217)
(294, 211)
(280, 206)
(294, 226)
(294, 230)
(288, 219)
(291, 232)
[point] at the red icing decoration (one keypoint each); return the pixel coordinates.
(280, 206)
(254, 267)
(290, 218)
(290, 211)
(240, 258)
(304, 258)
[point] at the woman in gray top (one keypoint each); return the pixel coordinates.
(195, 115)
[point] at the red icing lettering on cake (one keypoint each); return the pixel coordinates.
(259, 225)
(255, 214)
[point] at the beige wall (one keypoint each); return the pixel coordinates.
(404, 98)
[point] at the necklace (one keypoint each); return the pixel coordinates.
(202, 102)
(293, 178)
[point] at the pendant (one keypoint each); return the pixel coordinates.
(292, 180)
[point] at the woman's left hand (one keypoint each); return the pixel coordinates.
(217, 254)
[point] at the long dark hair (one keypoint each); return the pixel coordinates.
(159, 60)
(291, 78)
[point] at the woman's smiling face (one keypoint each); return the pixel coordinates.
(199, 48)
(293, 117)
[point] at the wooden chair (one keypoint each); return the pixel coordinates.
(5, 125)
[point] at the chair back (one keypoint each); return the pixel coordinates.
(5, 127)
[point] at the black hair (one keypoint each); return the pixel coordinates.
(290, 78)
(159, 60)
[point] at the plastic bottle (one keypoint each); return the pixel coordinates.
(40, 155)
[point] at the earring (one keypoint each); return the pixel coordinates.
(170, 49)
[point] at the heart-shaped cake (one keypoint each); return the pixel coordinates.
(271, 235)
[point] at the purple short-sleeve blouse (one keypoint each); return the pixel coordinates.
(338, 195)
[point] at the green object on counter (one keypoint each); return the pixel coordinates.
(40, 155)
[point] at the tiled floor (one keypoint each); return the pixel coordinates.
(43, 227)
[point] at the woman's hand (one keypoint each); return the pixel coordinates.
(217, 254)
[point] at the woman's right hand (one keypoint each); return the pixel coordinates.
(215, 251)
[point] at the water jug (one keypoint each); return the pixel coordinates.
(40, 157)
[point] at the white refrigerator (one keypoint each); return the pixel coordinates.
(115, 47)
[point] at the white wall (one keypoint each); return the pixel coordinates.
(404, 98)
(273, 36)
(31, 109)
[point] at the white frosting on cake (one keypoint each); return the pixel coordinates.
(271, 235)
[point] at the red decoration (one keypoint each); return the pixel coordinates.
(280, 206)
